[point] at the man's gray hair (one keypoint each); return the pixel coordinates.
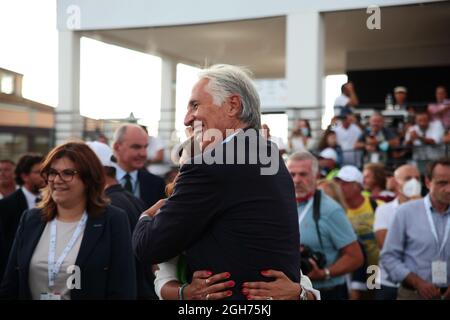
(120, 132)
(303, 156)
(225, 80)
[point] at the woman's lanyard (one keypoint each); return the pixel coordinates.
(53, 268)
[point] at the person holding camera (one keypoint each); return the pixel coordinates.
(329, 247)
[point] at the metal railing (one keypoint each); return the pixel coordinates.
(395, 157)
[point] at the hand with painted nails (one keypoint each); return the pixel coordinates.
(282, 288)
(206, 286)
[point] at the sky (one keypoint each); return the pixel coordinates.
(114, 81)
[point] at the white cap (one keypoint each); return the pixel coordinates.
(400, 89)
(328, 153)
(350, 174)
(103, 152)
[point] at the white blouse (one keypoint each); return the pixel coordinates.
(38, 273)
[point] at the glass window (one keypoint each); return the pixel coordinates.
(7, 84)
(12, 146)
(42, 144)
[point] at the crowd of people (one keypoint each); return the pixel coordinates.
(89, 221)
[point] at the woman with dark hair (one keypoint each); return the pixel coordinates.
(74, 246)
(329, 140)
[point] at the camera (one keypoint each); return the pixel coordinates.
(307, 253)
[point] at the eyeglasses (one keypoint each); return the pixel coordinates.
(65, 175)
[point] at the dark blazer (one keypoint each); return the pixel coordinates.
(151, 187)
(126, 201)
(11, 209)
(228, 218)
(105, 258)
(133, 207)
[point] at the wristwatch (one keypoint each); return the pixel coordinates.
(327, 273)
(303, 293)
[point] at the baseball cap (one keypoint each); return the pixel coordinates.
(328, 153)
(103, 152)
(350, 174)
(400, 89)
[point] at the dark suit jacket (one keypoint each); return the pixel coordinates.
(151, 187)
(228, 218)
(126, 201)
(105, 258)
(11, 209)
(133, 206)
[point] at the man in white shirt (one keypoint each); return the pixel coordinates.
(425, 136)
(347, 134)
(408, 187)
(424, 132)
(348, 98)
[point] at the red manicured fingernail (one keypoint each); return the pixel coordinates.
(264, 272)
(229, 293)
(227, 275)
(231, 283)
(245, 285)
(245, 292)
(209, 273)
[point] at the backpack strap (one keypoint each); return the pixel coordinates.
(373, 203)
(316, 214)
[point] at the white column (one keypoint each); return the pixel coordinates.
(68, 122)
(304, 66)
(168, 94)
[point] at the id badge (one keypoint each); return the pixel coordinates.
(50, 296)
(439, 272)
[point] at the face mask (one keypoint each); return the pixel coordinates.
(305, 131)
(412, 188)
(384, 146)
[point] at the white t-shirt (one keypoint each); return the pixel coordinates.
(279, 142)
(38, 272)
(341, 101)
(435, 131)
(298, 145)
(347, 138)
(384, 216)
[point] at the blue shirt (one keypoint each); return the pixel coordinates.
(410, 245)
(335, 230)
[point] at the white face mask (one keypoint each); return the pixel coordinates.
(412, 188)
